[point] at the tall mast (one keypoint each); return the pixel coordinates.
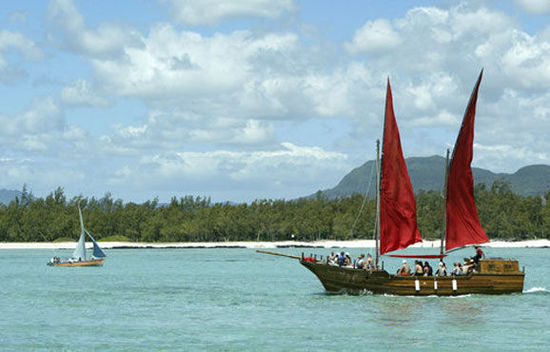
(377, 221)
(444, 225)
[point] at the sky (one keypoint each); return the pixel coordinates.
(259, 99)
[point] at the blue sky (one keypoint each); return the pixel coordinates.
(252, 99)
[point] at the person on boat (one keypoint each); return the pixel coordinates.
(358, 263)
(341, 259)
(457, 270)
(404, 270)
(442, 270)
(368, 263)
(418, 269)
(331, 259)
(347, 260)
(428, 271)
(469, 266)
(478, 256)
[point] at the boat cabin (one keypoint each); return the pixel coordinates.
(499, 266)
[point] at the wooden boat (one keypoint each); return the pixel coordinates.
(79, 255)
(396, 226)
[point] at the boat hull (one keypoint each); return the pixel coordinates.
(356, 281)
(93, 262)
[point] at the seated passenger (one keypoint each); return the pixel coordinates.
(418, 270)
(347, 260)
(469, 266)
(442, 270)
(358, 264)
(404, 270)
(368, 263)
(457, 270)
(331, 259)
(341, 259)
(428, 271)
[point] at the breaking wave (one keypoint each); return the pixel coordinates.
(537, 290)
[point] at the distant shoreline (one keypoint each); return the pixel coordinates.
(251, 244)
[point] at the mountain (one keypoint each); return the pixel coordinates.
(6, 195)
(427, 173)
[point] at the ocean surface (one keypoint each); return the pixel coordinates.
(240, 300)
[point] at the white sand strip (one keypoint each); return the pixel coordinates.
(281, 244)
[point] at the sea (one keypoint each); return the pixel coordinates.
(235, 299)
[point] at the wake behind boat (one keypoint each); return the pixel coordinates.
(396, 226)
(79, 255)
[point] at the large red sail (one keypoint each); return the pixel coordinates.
(463, 226)
(398, 227)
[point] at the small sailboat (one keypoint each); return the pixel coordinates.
(396, 226)
(79, 255)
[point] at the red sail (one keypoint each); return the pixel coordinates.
(463, 226)
(398, 227)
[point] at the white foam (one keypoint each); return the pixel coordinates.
(536, 289)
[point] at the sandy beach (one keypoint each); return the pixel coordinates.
(281, 244)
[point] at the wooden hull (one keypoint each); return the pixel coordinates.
(356, 281)
(95, 262)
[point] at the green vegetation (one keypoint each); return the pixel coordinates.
(503, 213)
(115, 238)
(63, 239)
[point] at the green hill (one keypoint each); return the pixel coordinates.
(427, 173)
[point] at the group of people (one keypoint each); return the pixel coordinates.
(344, 259)
(361, 262)
(421, 269)
(470, 265)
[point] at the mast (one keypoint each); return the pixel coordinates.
(444, 225)
(377, 221)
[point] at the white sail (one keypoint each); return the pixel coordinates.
(80, 250)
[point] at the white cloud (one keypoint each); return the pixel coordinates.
(541, 7)
(213, 11)
(277, 172)
(82, 93)
(176, 130)
(43, 117)
(214, 65)
(374, 36)
(15, 40)
(69, 30)
(10, 71)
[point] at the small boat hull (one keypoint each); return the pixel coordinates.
(357, 281)
(93, 262)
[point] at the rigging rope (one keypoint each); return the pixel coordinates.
(364, 200)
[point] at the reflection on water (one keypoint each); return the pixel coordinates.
(396, 311)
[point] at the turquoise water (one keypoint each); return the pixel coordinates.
(240, 300)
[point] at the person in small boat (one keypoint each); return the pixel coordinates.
(358, 263)
(404, 270)
(442, 270)
(368, 263)
(457, 270)
(418, 269)
(428, 271)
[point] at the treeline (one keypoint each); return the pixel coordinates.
(503, 214)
